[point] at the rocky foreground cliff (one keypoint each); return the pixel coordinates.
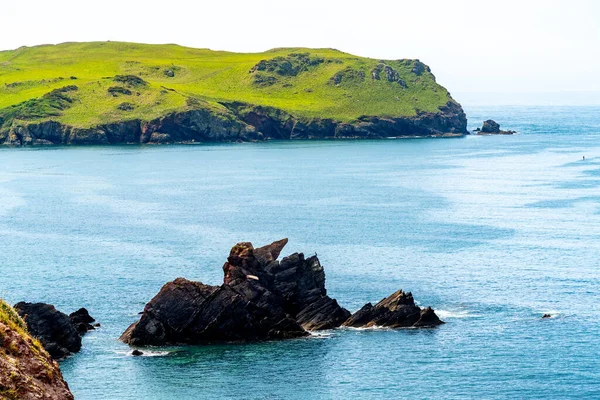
(170, 94)
(27, 371)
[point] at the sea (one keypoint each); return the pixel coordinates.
(493, 232)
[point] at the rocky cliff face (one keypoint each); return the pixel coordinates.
(241, 122)
(59, 333)
(26, 370)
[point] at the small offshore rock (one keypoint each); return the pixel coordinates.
(491, 127)
(546, 316)
(137, 353)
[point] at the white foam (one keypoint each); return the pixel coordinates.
(445, 314)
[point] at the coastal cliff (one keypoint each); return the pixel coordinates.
(27, 371)
(171, 94)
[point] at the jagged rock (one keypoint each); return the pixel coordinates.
(26, 370)
(137, 353)
(491, 127)
(52, 327)
(546, 316)
(396, 311)
(260, 299)
(82, 321)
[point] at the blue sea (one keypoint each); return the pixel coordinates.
(491, 231)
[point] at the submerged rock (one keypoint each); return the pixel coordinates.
(260, 299)
(59, 333)
(26, 370)
(396, 311)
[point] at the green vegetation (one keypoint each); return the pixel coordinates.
(86, 84)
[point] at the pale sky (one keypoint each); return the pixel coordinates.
(520, 51)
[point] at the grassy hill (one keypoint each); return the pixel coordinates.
(312, 83)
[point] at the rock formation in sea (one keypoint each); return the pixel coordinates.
(59, 333)
(27, 372)
(261, 298)
(491, 127)
(396, 311)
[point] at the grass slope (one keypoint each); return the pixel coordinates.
(309, 83)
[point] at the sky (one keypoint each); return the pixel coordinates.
(483, 52)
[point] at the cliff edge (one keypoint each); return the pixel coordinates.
(26, 370)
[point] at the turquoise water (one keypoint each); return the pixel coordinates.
(493, 232)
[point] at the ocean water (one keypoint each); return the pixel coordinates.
(491, 231)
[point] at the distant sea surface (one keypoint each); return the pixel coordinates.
(491, 231)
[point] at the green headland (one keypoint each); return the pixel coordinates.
(82, 87)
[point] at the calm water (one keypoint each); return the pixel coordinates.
(491, 231)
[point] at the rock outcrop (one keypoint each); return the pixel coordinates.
(396, 311)
(491, 127)
(59, 333)
(27, 372)
(261, 298)
(82, 321)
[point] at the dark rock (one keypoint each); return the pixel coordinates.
(52, 327)
(546, 316)
(82, 321)
(137, 353)
(491, 127)
(396, 311)
(125, 106)
(260, 299)
(119, 90)
(169, 72)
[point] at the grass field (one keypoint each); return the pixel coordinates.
(311, 83)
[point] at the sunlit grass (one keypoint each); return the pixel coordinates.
(175, 73)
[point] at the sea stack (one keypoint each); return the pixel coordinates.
(261, 298)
